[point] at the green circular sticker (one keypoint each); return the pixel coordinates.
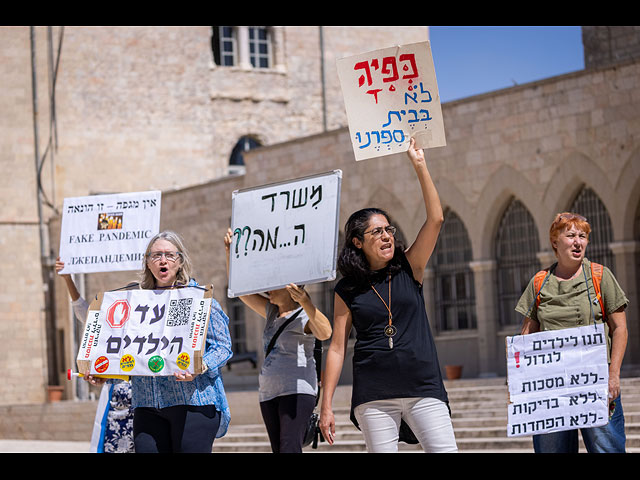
(156, 364)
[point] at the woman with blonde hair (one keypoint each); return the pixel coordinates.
(566, 298)
(183, 412)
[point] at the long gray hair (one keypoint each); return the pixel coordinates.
(147, 280)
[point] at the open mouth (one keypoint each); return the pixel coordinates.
(164, 269)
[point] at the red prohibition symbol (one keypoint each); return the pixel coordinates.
(118, 313)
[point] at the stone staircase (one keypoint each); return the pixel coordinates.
(479, 415)
(478, 406)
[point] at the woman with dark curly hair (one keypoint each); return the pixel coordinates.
(396, 375)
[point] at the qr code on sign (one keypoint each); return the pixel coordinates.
(179, 312)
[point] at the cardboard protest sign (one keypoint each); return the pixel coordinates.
(284, 233)
(146, 332)
(558, 380)
(107, 233)
(391, 95)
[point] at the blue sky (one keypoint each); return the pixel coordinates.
(473, 60)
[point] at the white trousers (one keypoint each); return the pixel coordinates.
(428, 418)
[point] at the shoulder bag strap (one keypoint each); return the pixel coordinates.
(539, 280)
(277, 334)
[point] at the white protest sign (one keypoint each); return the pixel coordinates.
(146, 332)
(284, 233)
(391, 95)
(108, 233)
(558, 380)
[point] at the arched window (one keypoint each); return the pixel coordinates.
(453, 279)
(516, 260)
(589, 205)
(236, 160)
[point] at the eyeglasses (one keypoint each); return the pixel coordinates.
(376, 232)
(169, 256)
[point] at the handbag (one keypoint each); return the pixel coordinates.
(312, 433)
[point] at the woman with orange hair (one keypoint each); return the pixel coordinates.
(564, 300)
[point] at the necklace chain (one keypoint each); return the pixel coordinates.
(385, 303)
(389, 330)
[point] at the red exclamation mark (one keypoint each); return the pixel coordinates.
(517, 355)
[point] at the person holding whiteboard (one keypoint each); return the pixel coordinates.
(566, 298)
(184, 412)
(288, 378)
(396, 375)
(113, 424)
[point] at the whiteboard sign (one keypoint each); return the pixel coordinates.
(107, 233)
(390, 96)
(558, 380)
(146, 332)
(284, 233)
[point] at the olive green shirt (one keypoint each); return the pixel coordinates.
(565, 303)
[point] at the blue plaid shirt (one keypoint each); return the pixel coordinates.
(205, 389)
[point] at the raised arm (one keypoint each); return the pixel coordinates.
(420, 251)
(79, 304)
(255, 302)
(318, 323)
(71, 286)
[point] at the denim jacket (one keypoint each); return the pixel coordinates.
(206, 388)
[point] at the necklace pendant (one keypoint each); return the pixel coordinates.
(390, 331)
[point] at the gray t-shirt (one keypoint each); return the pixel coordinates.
(290, 367)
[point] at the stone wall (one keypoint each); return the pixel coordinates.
(136, 108)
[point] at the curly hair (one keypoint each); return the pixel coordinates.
(352, 262)
(147, 280)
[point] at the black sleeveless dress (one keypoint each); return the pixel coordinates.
(410, 368)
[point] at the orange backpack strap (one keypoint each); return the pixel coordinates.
(538, 281)
(596, 277)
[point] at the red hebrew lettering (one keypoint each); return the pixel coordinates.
(386, 62)
(374, 93)
(364, 65)
(410, 57)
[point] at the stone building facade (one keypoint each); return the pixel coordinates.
(89, 110)
(513, 159)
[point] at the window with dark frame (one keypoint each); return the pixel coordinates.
(260, 47)
(516, 251)
(224, 45)
(237, 325)
(453, 278)
(589, 205)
